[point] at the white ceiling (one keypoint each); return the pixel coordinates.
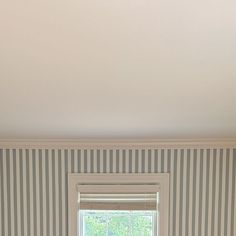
(117, 69)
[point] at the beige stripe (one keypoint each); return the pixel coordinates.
(120, 161)
(190, 193)
(152, 161)
(178, 192)
(31, 193)
(223, 193)
(18, 192)
(139, 161)
(24, 192)
(197, 191)
(230, 190)
(184, 192)
(127, 161)
(56, 192)
(44, 193)
(171, 190)
(210, 192)
(50, 191)
(133, 161)
(82, 161)
(107, 161)
(76, 161)
(69, 161)
(63, 192)
(217, 191)
(114, 161)
(101, 161)
(165, 160)
(95, 161)
(5, 192)
(204, 193)
(146, 161)
(89, 161)
(12, 194)
(37, 191)
(159, 161)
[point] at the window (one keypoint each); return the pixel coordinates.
(118, 204)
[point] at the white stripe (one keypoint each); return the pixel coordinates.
(159, 160)
(12, 194)
(18, 193)
(217, 191)
(197, 191)
(5, 191)
(76, 161)
(37, 191)
(230, 190)
(44, 193)
(184, 192)
(204, 192)
(57, 192)
(50, 192)
(210, 192)
(191, 193)
(31, 193)
(24, 192)
(223, 193)
(63, 188)
(178, 192)
(152, 161)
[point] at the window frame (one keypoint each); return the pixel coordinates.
(160, 179)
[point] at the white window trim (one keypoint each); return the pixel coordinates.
(160, 179)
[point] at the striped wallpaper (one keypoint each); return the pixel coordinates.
(33, 187)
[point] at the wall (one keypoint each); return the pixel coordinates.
(33, 186)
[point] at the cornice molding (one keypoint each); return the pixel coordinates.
(117, 143)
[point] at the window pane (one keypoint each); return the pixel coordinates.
(117, 223)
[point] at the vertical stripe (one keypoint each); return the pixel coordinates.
(56, 159)
(60, 190)
(174, 193)
(50, 193)
(190, 213)
(217, 191)
(1, 195)
(159, 160)
(18, 186)
(31, 193)
(5, 202)
(233, 217)
(223, 192)
(181, 180)
(152, 161)
(63, 193)
(184, 191)
(213, 192)
(76, 161)
(178, 184)
(230, 193)
(44, 219)
(12, 192)
(88, 161)
(171, 220)
(24, 206)
(210, 170)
